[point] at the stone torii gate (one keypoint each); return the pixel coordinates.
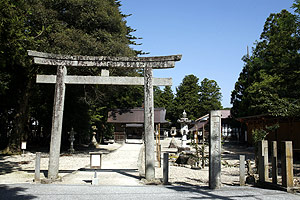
(61, 78)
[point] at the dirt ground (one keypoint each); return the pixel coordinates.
(120, 166)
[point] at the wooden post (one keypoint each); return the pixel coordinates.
(156, 142)
(149, 125)
(250, 172)
(263, 168)
(287, 164)
(203, 147)
(37, 170)
(159, 147)
(274, 162)
(166, 169)
(57, 121)
(215, 149)
(242, 170)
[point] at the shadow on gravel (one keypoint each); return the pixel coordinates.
(206, 193)
(45, 172)
(8, 166)
(14, 193)
(234, 150)
(125, 172)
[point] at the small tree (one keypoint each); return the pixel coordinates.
(260, 135)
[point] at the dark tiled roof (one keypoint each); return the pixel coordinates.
(135, 116)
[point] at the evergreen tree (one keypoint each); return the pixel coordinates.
(66, 27)
(210, 96)
(187, 97)
(269, 81)
(165, 99)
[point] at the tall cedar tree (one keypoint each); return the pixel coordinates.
(165, 99)
(210, 96)
(269, 82)
(78, 27)
(187, 97)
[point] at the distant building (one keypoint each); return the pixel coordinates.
(129, 123)
(231, 129)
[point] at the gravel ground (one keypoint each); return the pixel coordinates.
(185, 175)
(120, 167)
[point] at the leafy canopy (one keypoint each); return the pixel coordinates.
(269, 82)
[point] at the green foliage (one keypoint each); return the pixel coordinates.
(197, 100)
(258, 135)
(261, 134)
(210, 96)
(187, 97)
(76, 27)
(269, 81)
(165, 99)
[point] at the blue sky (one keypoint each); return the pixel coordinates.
(212, 36)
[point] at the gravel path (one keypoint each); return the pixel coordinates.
(120, 167)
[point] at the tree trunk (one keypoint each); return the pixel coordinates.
(21, 118)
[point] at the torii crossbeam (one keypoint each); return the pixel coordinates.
(61, 78)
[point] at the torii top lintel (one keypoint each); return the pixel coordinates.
(156, 62)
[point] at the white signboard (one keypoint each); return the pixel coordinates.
(95, 160)
(23, 145)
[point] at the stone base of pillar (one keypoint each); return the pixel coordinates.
(95, 181)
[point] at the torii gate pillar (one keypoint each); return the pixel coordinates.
(61, 61)
(57, 120)
(149, 125)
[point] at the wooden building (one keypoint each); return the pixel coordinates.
(129, 123)
(289, 128)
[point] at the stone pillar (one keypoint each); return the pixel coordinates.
(149, 125)
(37, 171)
(263, 163)
(274, 162)
(215, 150)
(287, 164)
(57, 120)
(242, 170)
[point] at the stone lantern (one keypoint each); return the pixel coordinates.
(173, 134)
(184, 121)
(94, 140)
(72, 139)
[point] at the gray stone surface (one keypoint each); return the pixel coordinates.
(215, 150)
(263, 166)
(105, 61)
(148, 63)
(61, 192)
(242, 170)
(57, 120)
(37, 171)
(287, 164)
(102, 80)
(149, 125)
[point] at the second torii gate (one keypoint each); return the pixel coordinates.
(61, 78)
